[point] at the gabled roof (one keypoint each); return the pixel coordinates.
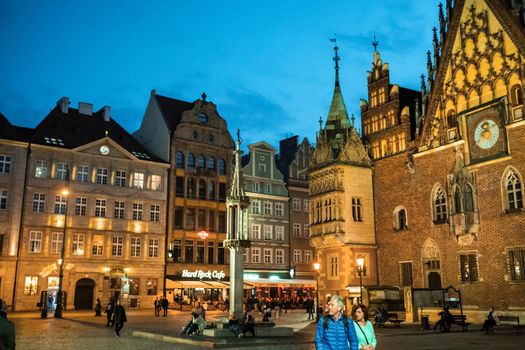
(9, 131)
(172, 110)
(262, 145)
(73, 129)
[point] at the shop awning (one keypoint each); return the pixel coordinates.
(171, 284)
(246, 285)
(282, 282)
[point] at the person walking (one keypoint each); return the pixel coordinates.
(156, 305)
(363, 328)
(120, 317)
(7, 331)
(165, 304)
(335, 330)
(110, 307)
(98, 308)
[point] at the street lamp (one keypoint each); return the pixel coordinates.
(58, 309)
(361, 269)
(317, 267)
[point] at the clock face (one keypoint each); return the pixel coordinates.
(104, 150)
(203, 118)
(486, 134)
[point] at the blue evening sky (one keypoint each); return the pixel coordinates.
(266, 64)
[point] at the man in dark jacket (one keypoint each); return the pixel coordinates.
(165, 305)
(110, 307)
(7, 332)
(120, 317)
(335, 331)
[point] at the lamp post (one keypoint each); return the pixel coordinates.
(361, 269)
(58, 310)
(317, 267)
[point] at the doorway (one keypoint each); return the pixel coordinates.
(84, 294)
(434, 280)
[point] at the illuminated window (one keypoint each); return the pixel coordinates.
(98, 245)
(138, 180)
(77, 244)
(57, 239)
(136, 246)
(35, 242)
(116, 246)
(31, 285)
(153, 248)
(517, 264)
(469, 267)
(41, 169)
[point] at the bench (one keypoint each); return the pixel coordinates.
(513, 321)
(396, 318)
(460, 320)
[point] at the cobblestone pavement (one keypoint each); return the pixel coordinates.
(80, 330)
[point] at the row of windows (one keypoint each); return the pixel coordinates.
(260, 187)
(377, 97)
(325, 210)
(275, 256)
(199, 162)
(100, 210)
(78, 245)
(199, 219)
(268, 208)
(100, 176)
(468, 268)
(296, 204)
(299, 230)
(191, 187)
(31, 284)
(391, 145)
(379, 122)
(199, 252)
(269, 232)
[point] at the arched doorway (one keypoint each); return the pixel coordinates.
(431, 264)
(434, 280)
(84, 294)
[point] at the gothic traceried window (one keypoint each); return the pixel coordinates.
(514, 192)
(440, 206)
(469, 199)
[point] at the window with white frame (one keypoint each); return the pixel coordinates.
(116, 245)
(100, 208)
(57, 239)
(306, 205)
(77, 244)
(35, 242)
(297, 255)
(306, 230)
(153, 251)
(102, 176)
(155, 213)
(80, 206)
(30, 285)
(119, 212)
(256, 231)
(267, 208)
(3, 199)
(256, 206)
(267, 256)
(296, 204)
(138, 180)
(297, 230)
(256, 255)
(279, 256)
(279, 209)
(267, 232)
(97, 245)
(39, 200)
(268, 188)
(62, 171)
(256, 187)
(5, 164)
(41, 169)
(137, 211)
(155, 182)
(60, 204)
(307, 256)
(120, 178)
(135, 247)
(82, 173)
(279, 233)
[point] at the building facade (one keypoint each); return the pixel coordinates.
(342, 225)
(111, 219)
(449, 206)
(194, 139)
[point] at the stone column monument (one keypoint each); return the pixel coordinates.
(236, 231)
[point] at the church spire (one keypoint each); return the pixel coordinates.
(337, 116)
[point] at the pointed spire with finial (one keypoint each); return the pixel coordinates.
(336, 60)
(423, 86)
(441, 21)
(377, 56)
(203, 97)
(430, 69)
(237, 186)
(449, 11)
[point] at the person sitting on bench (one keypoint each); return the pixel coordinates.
(445, 320)
(490, 322)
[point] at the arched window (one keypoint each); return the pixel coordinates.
(222, 167)
(451, 119)
(440, 206)
(201, 161)
(457, 201)
(211, 190)
(191, 160)
(202, 189)
(400, 219)
(211, 163)
(469, 199)
(514, 191)
(179, 161)
(516, 94)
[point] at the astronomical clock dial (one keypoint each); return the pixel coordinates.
(486, 134)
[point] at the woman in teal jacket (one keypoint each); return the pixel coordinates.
(335, 331)
(363, 328)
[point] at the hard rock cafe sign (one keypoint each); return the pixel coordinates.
(203, 274)
(203, 234)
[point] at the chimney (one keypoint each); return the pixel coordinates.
(106, 113)
(85, 108)
(64, 104)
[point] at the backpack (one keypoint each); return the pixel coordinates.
(345, 322)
